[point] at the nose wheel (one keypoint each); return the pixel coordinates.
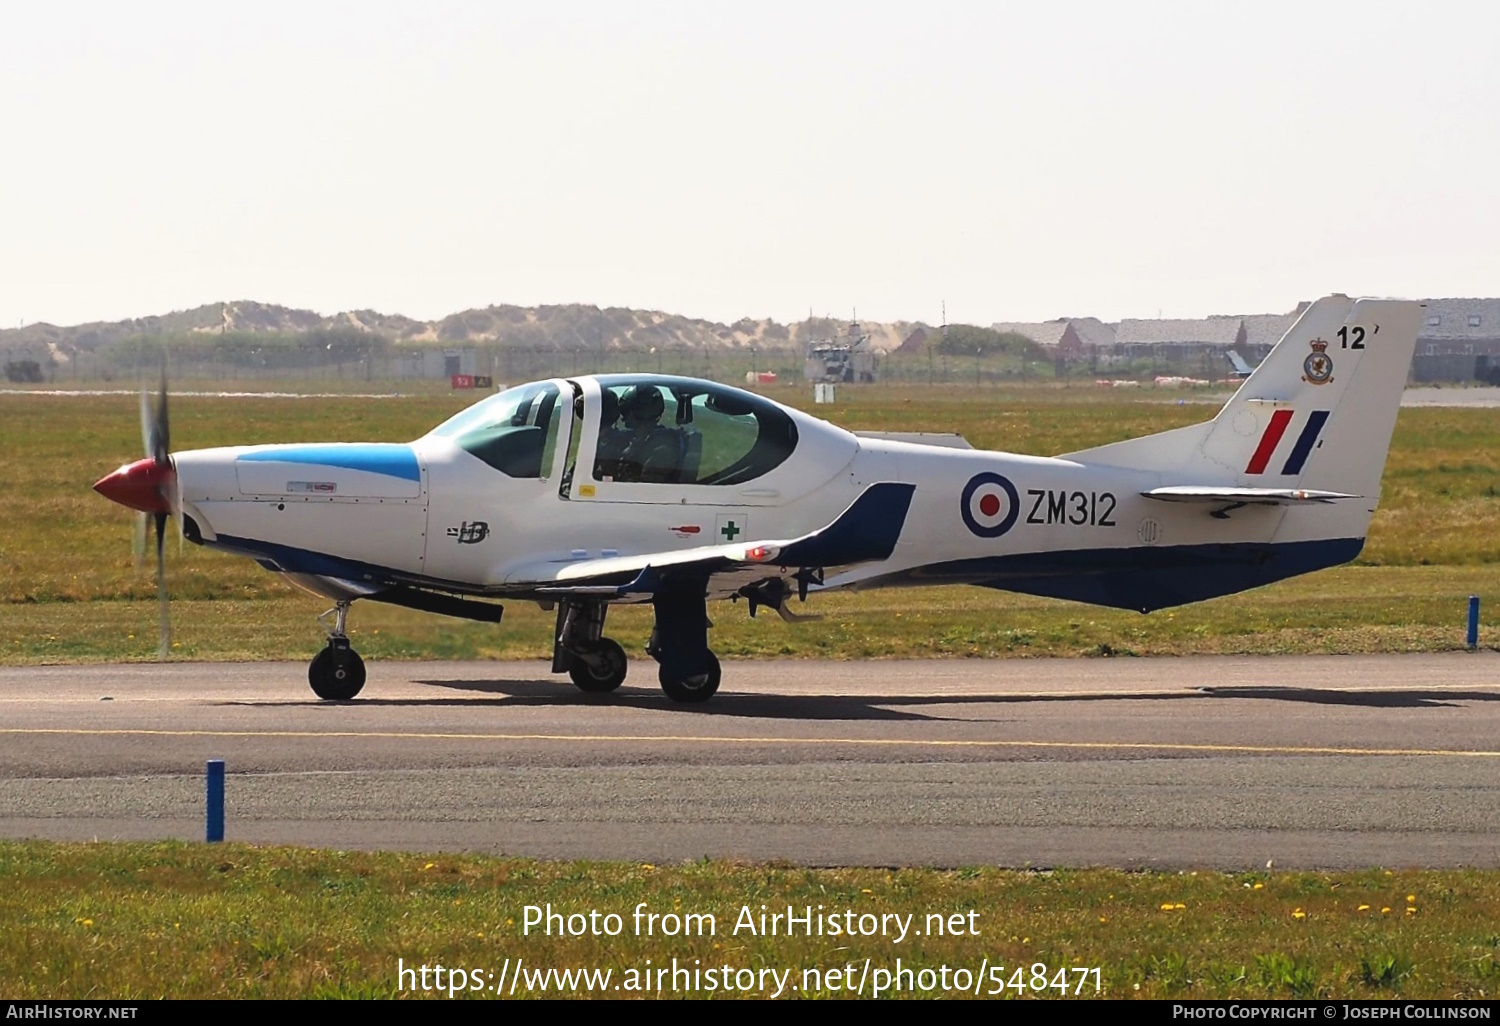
(337, 673)
(594, 663)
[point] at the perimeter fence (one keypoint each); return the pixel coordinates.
(321, 368)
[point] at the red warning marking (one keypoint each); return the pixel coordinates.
(1268, 441)
(686, 529)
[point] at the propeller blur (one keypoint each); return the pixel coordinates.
(150, 486)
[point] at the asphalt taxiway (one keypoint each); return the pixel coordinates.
(1230, 762)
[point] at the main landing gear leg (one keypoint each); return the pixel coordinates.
(689, 671)
(337, 673)
(595, 663)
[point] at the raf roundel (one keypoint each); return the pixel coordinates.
(989, 505)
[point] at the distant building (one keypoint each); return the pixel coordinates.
(1096, 335)
(1262, 332)
(1057, 338)
(1194, 342)
(432, 362)
(1459, 341)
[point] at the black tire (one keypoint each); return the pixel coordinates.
(336, 674)
(697, 687)
(604, 669)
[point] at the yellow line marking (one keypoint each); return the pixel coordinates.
(1159, 746)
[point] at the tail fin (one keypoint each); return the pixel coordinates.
(1317, 413)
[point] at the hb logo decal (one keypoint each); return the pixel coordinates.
(989, 505)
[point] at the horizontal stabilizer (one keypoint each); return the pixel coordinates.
(1248, 496)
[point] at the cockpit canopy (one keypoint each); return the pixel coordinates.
(648, 428)
(515, 431)
(683, 431)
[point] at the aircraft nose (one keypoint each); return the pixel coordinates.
(141, 485)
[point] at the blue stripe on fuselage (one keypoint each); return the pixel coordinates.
(290, 559)
(375, 458)
(1140, 577)
(1305, 442)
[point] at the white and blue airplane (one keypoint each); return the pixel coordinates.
(1241, 368)
(581, 492)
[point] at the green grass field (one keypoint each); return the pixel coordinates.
(176, 920)
(70, 589)
(140, 921)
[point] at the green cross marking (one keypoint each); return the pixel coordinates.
(729, 530)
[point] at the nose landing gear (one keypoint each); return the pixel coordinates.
(596, 664)
(337, 673)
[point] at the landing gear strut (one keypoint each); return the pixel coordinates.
(595, 663)
(679, 642)
(336, 673)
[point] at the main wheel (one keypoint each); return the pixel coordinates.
(336, 674)
(695, 687)
(602, 670)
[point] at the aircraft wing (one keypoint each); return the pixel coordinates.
(865, 532)
(1247, 496)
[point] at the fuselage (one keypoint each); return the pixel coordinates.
(526, 480)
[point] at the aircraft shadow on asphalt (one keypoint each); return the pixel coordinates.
(560, 694)
(1414, 698)
(551, 693)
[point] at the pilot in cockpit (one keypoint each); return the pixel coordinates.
(644, 450)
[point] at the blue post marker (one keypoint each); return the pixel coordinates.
(1473, 638)
(215, 826)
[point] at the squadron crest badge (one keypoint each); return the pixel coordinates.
(1317, 369)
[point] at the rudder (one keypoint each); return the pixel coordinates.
(1319, 410)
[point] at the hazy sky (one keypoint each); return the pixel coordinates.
(1018, 160)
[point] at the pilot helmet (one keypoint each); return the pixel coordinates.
(642, 405)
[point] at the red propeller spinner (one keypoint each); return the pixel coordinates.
(145, 485)
(150, 484)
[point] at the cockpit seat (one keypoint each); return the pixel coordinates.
(692, 453)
